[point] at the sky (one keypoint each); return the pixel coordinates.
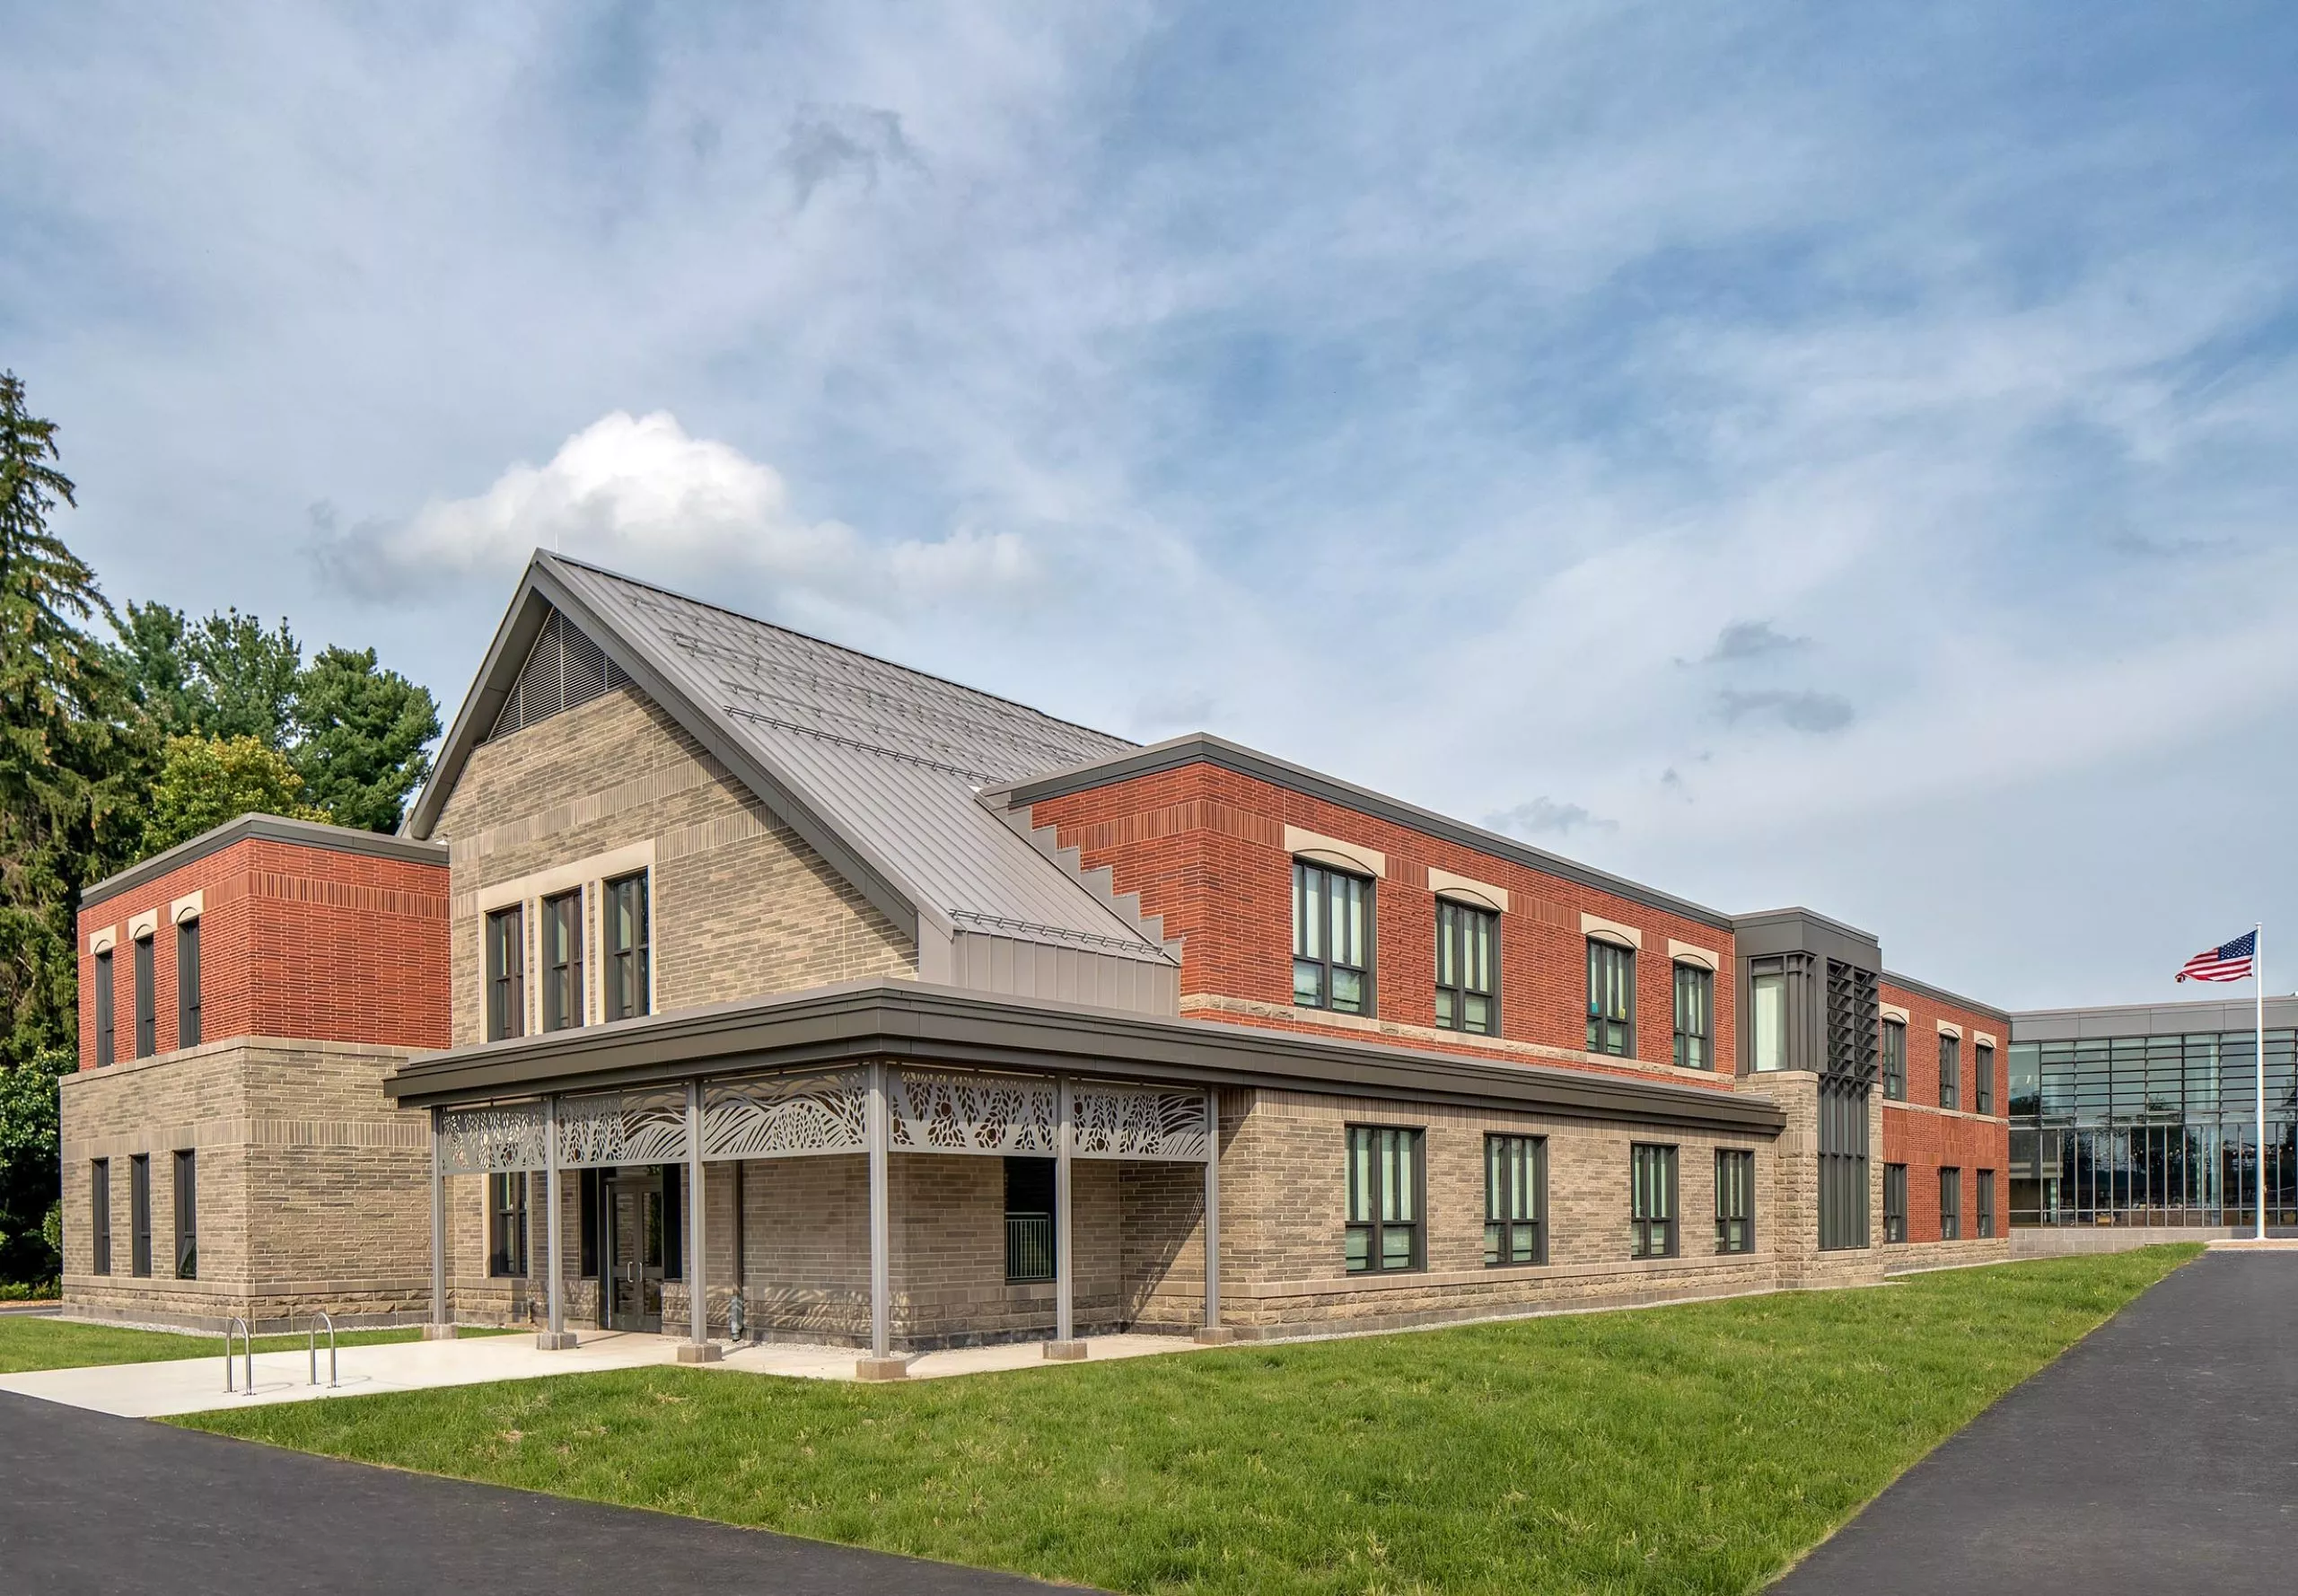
(1784, 454)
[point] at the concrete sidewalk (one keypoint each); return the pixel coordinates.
(194, 1385)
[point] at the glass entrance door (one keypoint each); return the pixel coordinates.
(634, 1213)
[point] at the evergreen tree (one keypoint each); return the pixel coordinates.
(362, 738)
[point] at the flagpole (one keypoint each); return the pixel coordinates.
(2258, 990)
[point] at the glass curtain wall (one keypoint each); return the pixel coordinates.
(2153, 1130)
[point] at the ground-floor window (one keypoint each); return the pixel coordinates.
(139, 1216)
(1516, 1199)
(187, 1216)
(1735, 1201)
(1950, 1205)
(1895, 1201)
(100, 1217)
(1384, 1202)
(507, 1224)
(1029, 1198)
(1652, 1209)
(1984, 1196)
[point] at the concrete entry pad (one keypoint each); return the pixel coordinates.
(2160, 1454)
(90, 1503)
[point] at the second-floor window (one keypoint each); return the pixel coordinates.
(1767, 1019)
(629, 949)
(147, 1026)
(1611, 999)
(1951, 1071)
(1331, 925)
(1466, 941)
(562, 961)
(1983, 1078)
(105, 1020)
(1895, 1060)
(1695, 1017)
(507, 974)
(187, 983)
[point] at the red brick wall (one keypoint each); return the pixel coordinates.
(295, 941)
(1204, 847)
(1916, 1135)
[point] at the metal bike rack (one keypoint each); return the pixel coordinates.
(247, 1348)
(319, 1316)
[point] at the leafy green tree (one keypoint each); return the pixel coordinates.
(362, 738)
(30, 1149)
(206, 781)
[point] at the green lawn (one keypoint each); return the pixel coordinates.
(1696, 1448)
(28, 1343)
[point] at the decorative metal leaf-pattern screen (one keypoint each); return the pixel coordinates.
(1143, 1122)
(786, 1115)
(623, 1127)
(493, 1140)
(987, 1114)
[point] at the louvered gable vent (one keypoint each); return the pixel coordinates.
(564, 669)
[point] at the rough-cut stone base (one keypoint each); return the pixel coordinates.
(1065, 1352)
(560, 1341)
(881, 1368)
(1215, 1334)
(700, 1352)
(439, 1332)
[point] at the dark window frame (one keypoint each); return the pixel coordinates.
(1312, 953)
(1611, 965)
(1653, 1210)
(1983, 1077)
(1370, 1156)
(99, 1216)
(187, 1214)
(1032, 1221)
(1894, 1202)
(107, 1011)
(592, 1194)
(139, 1216)
(188, 1017)
(1736, 1200)
(560, 921)
(1951, 1070)
(1950, 1203)
(1516, 1201)
(1695, 1050)
(505, 955)
(147, 998)
(1983, 1200)
(1466, 933)
(628, 972)
(1895, 1060)
(506, 1225)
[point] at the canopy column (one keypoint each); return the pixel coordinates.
(439, 1328)
(556, 1339)
(882, 1363)
(1213, 1330)
(699, 1348)
(1064, 1344)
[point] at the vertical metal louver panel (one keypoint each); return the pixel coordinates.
(1854, 1014)
(509, 721)
(582, 667)
(564, 669)
(538, 682)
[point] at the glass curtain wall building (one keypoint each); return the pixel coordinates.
(2147, 1115)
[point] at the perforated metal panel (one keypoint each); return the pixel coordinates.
(563, 668)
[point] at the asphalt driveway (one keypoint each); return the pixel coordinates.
(89, 1503)
(2160, 1454)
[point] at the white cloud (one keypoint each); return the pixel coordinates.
(639, 493)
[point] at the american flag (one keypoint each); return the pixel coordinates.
(2229, 961)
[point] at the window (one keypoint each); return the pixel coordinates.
(1767, 1019)
(105, 1023)
(1611, 999)
(1383, 1199)
(1029, 1219)
(1951, 1071)
(1465, 940)
(1895, 1060)
(562, 961)
(1331, 969)
(1515, 1200)
(1694, 1021)
(673, 1246)
(187, 1216)
(507, 974)
(187, 983)
(1735, 1201)
(593, 1194)
(1652, 1208)
(629, 950)
(507, 1224)
(139, 1216)
(1983, 1078)
(146, 1023)
(1895, 1201)
(100, 1217)
(1983, 1199)
(1950, 1205)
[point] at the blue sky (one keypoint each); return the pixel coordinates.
(1784, 454)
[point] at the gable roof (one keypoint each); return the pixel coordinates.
(875, 765)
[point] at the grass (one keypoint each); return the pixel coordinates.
(28, 1343)
(1699, 1448)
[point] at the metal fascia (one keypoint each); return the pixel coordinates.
(312, 833)
(1941, 995)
